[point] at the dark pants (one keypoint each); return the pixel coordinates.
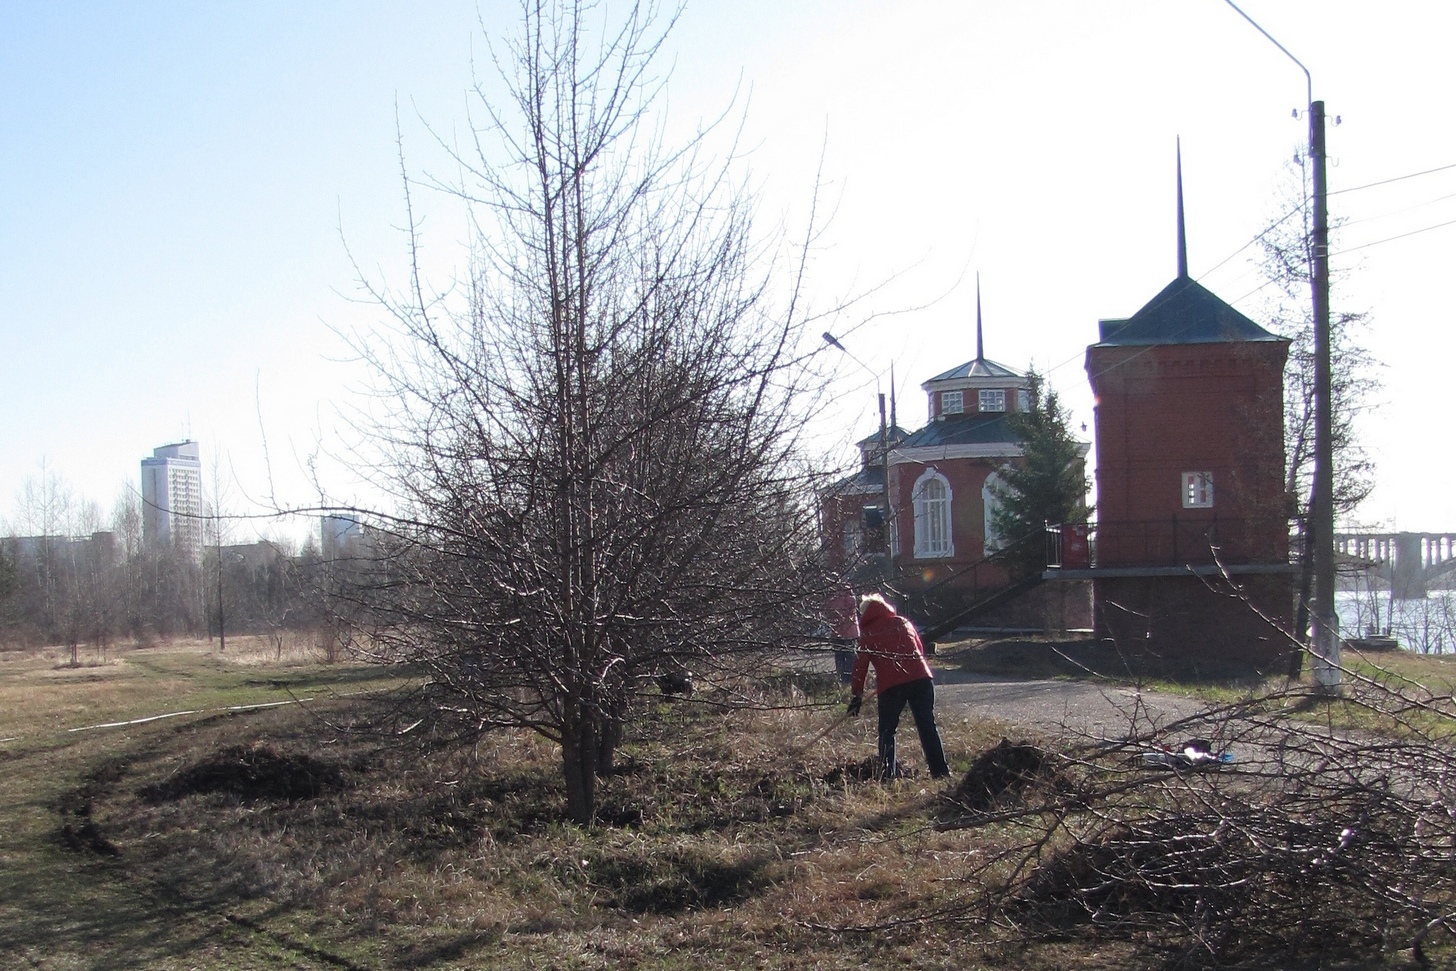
(920, 696)
(843, 658)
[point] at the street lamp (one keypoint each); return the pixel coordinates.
(887, 524)
(1321, 525)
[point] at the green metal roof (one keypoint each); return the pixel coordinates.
(979, 368)
(973, 429)
(1185, 312)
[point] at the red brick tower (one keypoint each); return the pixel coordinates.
(1192, 549)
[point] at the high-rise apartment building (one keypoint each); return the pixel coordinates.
(172, 497)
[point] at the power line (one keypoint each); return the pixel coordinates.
(1391, 239)
(1398, 178)
(1397, 212)
(1257, 237)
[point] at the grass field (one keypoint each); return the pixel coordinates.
(231, 835)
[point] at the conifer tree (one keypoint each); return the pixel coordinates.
(1048, 486)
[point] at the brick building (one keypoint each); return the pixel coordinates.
(942, 481)
(1192, 541)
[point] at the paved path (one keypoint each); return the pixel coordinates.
(1060, 708)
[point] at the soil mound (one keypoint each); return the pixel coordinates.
(1004, 771)
(252, 772)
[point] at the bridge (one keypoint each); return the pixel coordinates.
(1408, 562)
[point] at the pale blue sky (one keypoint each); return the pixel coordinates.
(175, 177)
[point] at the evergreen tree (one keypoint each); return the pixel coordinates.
(1048, 485)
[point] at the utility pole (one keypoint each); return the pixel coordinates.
(1322, 503)
(887, 518)
(1325, 623)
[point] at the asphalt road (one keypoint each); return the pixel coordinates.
(1071, 709)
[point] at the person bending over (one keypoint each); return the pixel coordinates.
(890, 643)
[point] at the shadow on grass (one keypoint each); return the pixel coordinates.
(67, 890)
(81, 907)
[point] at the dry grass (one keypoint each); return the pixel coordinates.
(726, 840)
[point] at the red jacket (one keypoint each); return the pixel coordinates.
(843, 614)
(890, 643)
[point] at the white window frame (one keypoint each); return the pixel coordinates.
(1197, 490)
(1023, 399)
(934, 524)
(992, 399)
(952, 403)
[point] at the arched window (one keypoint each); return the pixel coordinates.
(933, 537)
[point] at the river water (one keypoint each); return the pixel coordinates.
(1427, 626)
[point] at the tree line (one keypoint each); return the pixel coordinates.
(75, 577)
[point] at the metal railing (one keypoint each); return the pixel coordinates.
(1181, 542)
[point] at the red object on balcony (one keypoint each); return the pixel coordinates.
(1076, 554)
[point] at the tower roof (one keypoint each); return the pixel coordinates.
(991, 429)
(1184, 312)
(979, 368)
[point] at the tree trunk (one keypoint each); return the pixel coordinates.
(579, 753)
(610, 738)
(1301, 603)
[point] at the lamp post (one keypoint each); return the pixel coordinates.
(887, 524)
(1321, 523)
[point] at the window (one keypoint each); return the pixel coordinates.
(951, 403)
(1197, 490)
(932, 516)
(993, 400)
(1023, 400)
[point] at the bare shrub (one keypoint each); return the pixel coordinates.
(1330, 834)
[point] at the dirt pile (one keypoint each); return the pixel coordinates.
(1000, 773)
(251, 772)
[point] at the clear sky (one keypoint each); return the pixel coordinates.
(182, 186)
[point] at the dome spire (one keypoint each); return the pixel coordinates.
(980, 344)
(1182, 231)
(892, 396)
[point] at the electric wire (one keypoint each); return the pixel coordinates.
(1298, 210)
(1391, 239)
(1398, 178)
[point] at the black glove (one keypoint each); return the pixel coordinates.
(854, 704)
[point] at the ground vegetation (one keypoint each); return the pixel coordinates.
(298, 835)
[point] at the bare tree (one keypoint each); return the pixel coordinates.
(126, 527)
(44, 509)
(595, 448)
(217, 531)
(1354, 379)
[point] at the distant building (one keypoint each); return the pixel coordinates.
(943, 477)
(338, 535)
(932, 544)
(172, 498)
(98, 549)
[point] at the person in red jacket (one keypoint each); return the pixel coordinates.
(890, 643)
(841, 612)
